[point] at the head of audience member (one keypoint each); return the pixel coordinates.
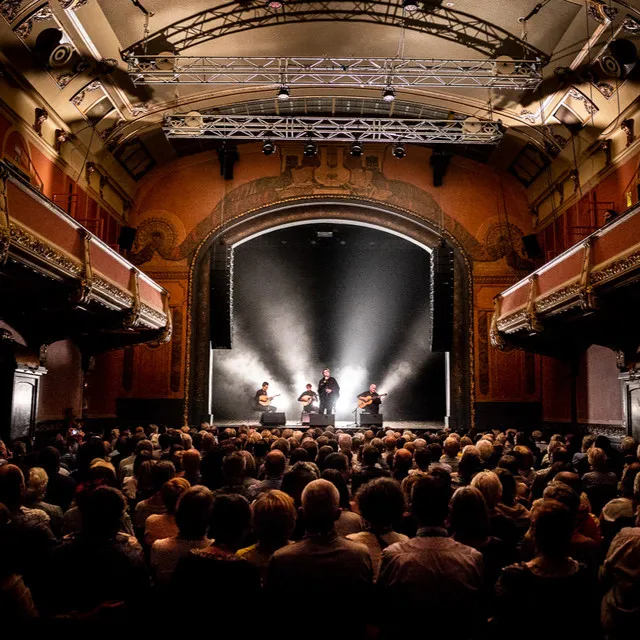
(102, 510)
(370, 455)
(233, 468)
(510, 463)
(298, 455)
(49, 460)
(36, 485)
(470, 464)
(571, 479)
(311, 447)
(430, 501)
(402, 463)
(390, 442)
(323, 452)
(193, 512)
(488, 483)
(381, 504)
(552, 528)
(469, 516)
(230, 521)
(337, 479)
(321, 506)
(485, 449)
(283, 445)
(628, 480)
(12, 487)
(563, 494)
(275, 463)
(161, 472)
(297, 478)
(628, 449)
(597, 459)
(191, 463)
(345, 442)
(339, 462)
(171, 492)
(273, 515)
(422, 458)
(451, 447)
(508, 482)
(525, 459)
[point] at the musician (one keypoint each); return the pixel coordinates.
(305, 396)
(262, 392)
(328, 392)
(374, 407)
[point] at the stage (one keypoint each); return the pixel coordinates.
(340, 424)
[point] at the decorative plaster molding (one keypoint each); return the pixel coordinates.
(589, 106)
(78, 98)
(23, 30)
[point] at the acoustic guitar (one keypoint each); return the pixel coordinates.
(307, 399)
(365, 401)
(265, 401)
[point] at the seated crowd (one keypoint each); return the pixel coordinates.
(370, 534)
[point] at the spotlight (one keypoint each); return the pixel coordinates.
(274, 5)
(356, 149)
(399, 151)
(410, 6)
(310, 149)
(283, 93)
(389, 94)
(268, 147)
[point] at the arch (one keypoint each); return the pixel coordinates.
(441, 22)
(378, 215)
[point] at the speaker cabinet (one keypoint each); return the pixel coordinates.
(320, 420)
(275, 419)
(221, 297)
(441, 298)
(369, 419)
(531, 246)
(126, 238)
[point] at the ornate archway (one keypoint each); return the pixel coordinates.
(346, 210)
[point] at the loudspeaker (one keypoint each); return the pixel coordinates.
(320, 420)
(221, 297)
(531, 246)
(442, 282)
(275, 419)
(127, 237)
(228, 156)
(367, 419)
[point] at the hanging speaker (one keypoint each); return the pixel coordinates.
(221, 297)
(442, 283)
(531, 246)
(619, 59)
(126, 238)
(61, 55)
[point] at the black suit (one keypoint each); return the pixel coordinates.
(328, 400)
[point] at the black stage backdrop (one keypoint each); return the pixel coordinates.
(351, 298)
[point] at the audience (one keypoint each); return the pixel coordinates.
(471, 531)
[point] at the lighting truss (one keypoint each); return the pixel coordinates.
(329, 129)
(336, 72)
(442, 22)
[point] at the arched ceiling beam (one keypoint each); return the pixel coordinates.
(440, 22)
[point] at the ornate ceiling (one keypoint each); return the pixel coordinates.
(73, 53)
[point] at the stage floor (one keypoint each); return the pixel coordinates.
(396, 425)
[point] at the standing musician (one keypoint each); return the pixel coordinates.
(371, 394)
(309, 399)
(329, 392)
(262, 396)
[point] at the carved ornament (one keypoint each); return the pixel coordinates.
(589, 106)
(5, 228)
(617, 268)
(627, 127)
(23, 30)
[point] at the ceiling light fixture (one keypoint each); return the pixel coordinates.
(274, 5)
(389, 94)
(356, 149)
(268, 147)
(399, 151)
(410, 6)
(310, 149)
(283, 93)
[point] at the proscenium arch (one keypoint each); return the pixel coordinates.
(441, 22)
(380, 216)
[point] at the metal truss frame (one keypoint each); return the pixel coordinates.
(329, 129)
(336, 72)
(441, 22)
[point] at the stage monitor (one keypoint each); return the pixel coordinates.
(275, 419)
(369, 419)
(320, 420)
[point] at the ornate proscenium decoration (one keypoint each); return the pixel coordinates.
(85, 287)
(495, 336)
(587, 297)
(5, 229)
(338, 129)
(89, 169)
(497, 73)
(41, 117)
(575, 177)
(627, 127)
(533, 324)
(605, 146)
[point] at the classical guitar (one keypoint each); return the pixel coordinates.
(307, 399)
(265, 401)
(365, 401)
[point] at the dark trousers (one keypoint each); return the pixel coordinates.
(268, 409)
(328, 404)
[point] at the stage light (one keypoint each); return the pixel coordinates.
(410, 6)
(310, 149)
(389, 94)
(356, 150)
(274, 5)
(268, 147)
(283, 93)
(399, 151)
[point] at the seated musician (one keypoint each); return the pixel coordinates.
(371, 394)
(309, 399)
(262, 400)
